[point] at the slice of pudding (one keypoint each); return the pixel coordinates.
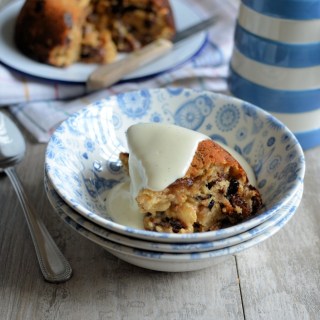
(184, 182)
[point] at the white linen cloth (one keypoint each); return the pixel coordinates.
(41, 105)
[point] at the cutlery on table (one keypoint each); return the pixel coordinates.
(111, 73)
(53, 265)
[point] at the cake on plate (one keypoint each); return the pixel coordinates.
(62, 32)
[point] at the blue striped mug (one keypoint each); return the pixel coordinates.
(276, 62)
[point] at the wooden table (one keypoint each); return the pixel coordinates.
(278, 279)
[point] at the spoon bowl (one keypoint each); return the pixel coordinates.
(12, 144)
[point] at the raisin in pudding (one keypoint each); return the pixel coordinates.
(183, 182)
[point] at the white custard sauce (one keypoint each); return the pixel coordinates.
(159, 155)
(123, 208)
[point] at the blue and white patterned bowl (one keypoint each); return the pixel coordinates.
(82, 161)
(59, 205)
(177, 262)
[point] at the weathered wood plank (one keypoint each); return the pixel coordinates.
(102, 286)
(280, 278)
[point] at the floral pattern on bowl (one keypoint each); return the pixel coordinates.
(178, 262)
(59, 205)
(82, 160)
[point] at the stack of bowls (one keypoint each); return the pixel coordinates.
(82, 164)
(276, 63)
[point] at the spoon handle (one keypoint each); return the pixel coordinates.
(54, 266)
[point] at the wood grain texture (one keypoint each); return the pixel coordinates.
(280, 278)
(102, 287)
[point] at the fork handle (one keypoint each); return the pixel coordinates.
(54, 266)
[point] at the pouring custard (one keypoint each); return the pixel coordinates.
(181, 181)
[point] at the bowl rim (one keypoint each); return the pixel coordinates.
(58, 203)
(165, 257)
(210, 235)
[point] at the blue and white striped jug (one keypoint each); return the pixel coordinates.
(276, 62)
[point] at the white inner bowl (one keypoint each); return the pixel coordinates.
(82, 155)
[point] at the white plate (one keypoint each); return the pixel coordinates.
(58, 204)
(82, 157)
(79, 72)
(179, 262)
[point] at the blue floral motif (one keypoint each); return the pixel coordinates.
(263, 156)
(271, 141)
(291, 155)
(60, 130)
(192, 114)
(250, 111)
(219, 138)
(227, 117)
(156, 117)
(257, 167)
(174, 91)
(289, 172)
(135, 104)
(248, 148)
(274, 163)
(204, 104)
(76, 179)
(301, 159)
(56, 150)
(274, 123)
(148, 254)
(241, 133)
(292, 177)
(285, 138)
(251, 116)
(238, 149)
(291, 145)
(116, 121)
(97, 185)
(288, 147)
(89, 145)
(262, 183)
(72, 125)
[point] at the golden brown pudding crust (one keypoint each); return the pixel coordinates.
(44, 25)
(61, 32)
(209, 153)
(214, 193)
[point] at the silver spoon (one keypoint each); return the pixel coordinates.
(53, 265)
